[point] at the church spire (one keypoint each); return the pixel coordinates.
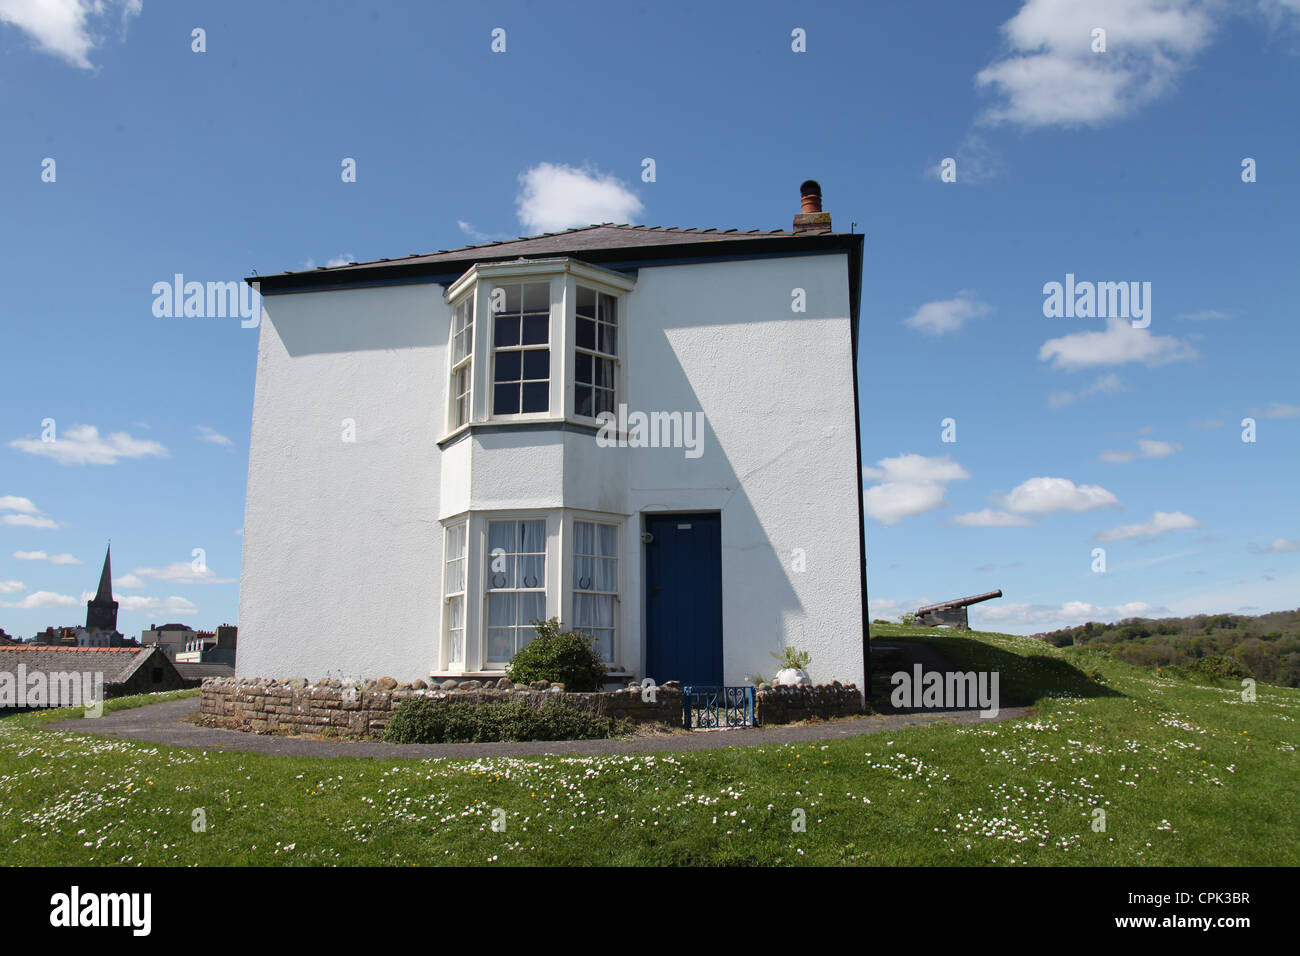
(101, 611)
(106, 577)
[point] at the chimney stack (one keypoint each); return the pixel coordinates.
(811, 220)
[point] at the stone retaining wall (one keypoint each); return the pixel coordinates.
(785, 703)
(299, 707)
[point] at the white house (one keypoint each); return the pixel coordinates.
(649, 433)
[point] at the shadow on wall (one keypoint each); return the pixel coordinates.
(360, 320)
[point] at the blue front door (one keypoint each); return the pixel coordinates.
(683, 598)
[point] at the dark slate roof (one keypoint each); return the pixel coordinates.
(117, 664)
(201, 669)
(609, 244)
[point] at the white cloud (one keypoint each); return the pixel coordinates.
(910, 485)
(976, 162)
(1278, 410)
(12, 587)
(917, 468)
(42, 556)
(1107, 384)
(1030, 618)
(209, 435)
(1120, 343)
(1050, 75)
(30, 521)
(128, 581)
(891, 502)
(182, 571)
(68, 29)
(1161, 522)
(1278, 546)
(553, 197)
(988, 518)
(81, 445)
(948, 315)
(28, 516)
(1045, 495)
(42, 599)
(177, 606)
(1147, 448)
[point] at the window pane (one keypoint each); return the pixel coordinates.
(532, 536)
(584, 573)
(604, 373)
(501, 609)
(537, 363)
(513, 300)
(532, 571)
(507, 366)
(505, 400)
(582, 610)
(537, 297)
(500, 644)
(606, 574)
(532, 607)
(456, 612)
(536, 397)
(584, 401)
(537, 329)
(586, 303)
(507, 330)
(607, 307)
(608, 341)
(586, 333)
(608, 540)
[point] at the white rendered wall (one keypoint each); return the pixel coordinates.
(342, 545)
(779, 457)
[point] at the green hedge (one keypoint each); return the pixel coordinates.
(424, 720)
(561, 657)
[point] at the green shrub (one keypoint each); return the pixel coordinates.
(561, 657)
(426, 720)
(1219, 666)
(791, 658)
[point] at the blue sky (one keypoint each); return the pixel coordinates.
(1071, 433)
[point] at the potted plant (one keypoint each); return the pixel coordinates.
(794, 664)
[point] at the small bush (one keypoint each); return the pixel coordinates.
(794, 659)
(1217, 666)
(425, 720)
(561, 657)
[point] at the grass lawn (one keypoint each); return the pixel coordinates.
(1187, 774)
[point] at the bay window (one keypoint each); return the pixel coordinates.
(516, 585)
(453, 589)
(595, 583)
(521, 353)
(595, 353)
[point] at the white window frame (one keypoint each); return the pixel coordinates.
(550, 347)
(595, 352)
(564, 274)
(466, 301)
(449, 532)
(572, 589)
(550, 591)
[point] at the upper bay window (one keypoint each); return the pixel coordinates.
(521, 350)
(547, 337)
(596, 354)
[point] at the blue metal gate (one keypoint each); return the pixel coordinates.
(716, 707)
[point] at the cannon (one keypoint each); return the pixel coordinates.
(951, 613)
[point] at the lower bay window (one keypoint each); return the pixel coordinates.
(502, 571)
